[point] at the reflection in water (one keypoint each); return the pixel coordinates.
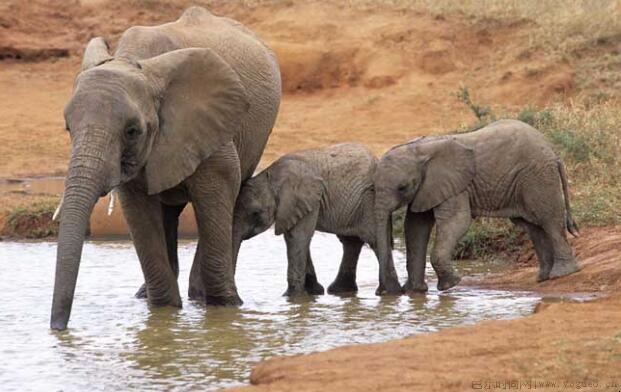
(116, 342)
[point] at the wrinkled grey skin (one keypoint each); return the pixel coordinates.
(506, 169)
(180, 112)
(329, 190)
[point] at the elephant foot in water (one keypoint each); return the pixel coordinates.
(411, 287)
(142, 292)
(389, 287)
(232, 300)
(343, 285)
(196, 293)
(448, 280)
(312, 286)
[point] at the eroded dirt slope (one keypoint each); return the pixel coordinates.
(380, 75)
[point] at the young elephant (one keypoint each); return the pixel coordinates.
(328, 189)
(506, 169)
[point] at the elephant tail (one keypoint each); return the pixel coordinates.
(572, 227)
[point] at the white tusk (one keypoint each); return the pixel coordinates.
(112, 202)
(57, 212)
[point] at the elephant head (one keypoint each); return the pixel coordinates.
(284, 193)
(152, 120)
(421, 174)
(254, 210)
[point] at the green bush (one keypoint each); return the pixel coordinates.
(33, 222)
(587, 138)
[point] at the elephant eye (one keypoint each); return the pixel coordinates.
(402, 187)
(132, 131)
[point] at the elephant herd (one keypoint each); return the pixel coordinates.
(181, 112)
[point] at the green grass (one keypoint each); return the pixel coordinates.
(587, 138)
(33, 221)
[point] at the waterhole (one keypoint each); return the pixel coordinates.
(116, 342)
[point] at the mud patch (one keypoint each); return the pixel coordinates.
(437, 62)
(307, 68)
(31, 54)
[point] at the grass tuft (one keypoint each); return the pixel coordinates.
(32, 222)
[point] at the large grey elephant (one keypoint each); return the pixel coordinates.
(328, 189)
(180, 112)
(506, 169)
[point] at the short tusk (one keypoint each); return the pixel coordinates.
(112, 202)
(57, 212)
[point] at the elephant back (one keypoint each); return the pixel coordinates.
(347, 170)
(505, 152)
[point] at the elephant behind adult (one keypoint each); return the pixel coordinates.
(327, 189)
(506, 169)
(181, 112)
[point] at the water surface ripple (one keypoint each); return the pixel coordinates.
(115, 342)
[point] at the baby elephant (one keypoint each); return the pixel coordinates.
(506, 169)
(329, 190)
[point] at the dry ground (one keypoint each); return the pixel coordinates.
(380, 74)
(377, 72)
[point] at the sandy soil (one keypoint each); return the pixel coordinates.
(379, 75)
(383, 79)
(563, 342)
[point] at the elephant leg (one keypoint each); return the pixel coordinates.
(388, 279)
(545, 203)
(417, 230)
(311, 285)
(213, 189)
(143, 214)
(453, 217)
(196, 290)
(298, 242)
(345, 281)
(170, 214)
(542, 244)
(564, 261)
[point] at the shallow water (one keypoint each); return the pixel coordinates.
(115, 342)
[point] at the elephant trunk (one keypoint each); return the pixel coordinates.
(389, 282)
(237, 240)
(86, 181)
(383, 237)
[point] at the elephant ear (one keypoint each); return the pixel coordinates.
(202, 103)
(96, 53)
(448, 168)
(298, 195)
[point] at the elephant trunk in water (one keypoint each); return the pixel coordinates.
(389, 282)
(86, 181)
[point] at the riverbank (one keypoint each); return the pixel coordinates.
(561, 343)
(380, 73)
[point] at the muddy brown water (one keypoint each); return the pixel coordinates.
(115, 342)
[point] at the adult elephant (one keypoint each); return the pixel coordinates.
(506, 169)
(180, 113)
